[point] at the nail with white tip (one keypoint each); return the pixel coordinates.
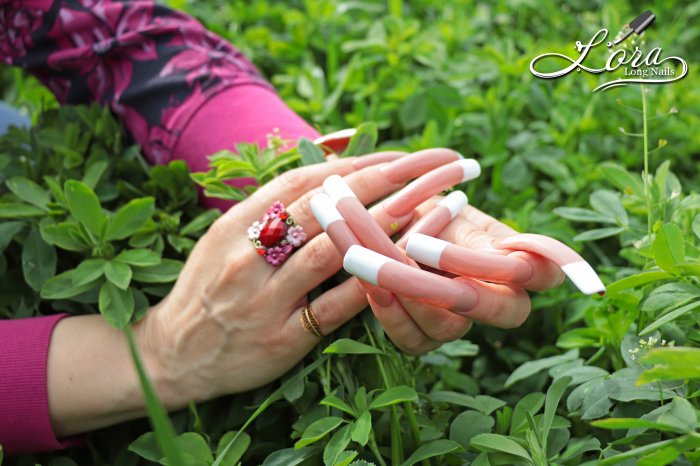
(337, 189)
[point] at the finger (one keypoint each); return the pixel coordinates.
(430, 184)
(332, 309)
(411, 282)
(571, 263)
(437, 218)
(462, 231)
(400, 327)
(291, 184)
(442, 255)
(320, 258)
(441, 325)
(501, 306)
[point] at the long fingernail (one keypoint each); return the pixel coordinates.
(431, 184)
(455, 202)
(433, 222)
(584, 277)
(425, 249)
(364, 263)
(336, 188)
(324, 210)
(375, 159)
(417, 163)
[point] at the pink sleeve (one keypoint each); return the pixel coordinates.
(246, 113)
(24, 406)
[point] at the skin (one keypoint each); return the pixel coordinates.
(212, 335)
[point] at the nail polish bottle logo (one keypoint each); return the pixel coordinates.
(627, 58)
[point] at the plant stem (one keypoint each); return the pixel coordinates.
(647, 188)
(396, 442)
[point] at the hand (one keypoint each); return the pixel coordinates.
(423, 309)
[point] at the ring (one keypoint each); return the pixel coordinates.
(310, 322)
(276, 235)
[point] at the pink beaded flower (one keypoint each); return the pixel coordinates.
(254, 231)
(275, 210)
(296, 235)
(277, 254)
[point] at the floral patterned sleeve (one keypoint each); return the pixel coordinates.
(152, 65)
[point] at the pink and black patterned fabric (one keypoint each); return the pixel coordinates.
(152, 65)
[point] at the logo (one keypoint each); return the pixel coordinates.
(638, 67)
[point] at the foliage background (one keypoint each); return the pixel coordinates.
(455, 73)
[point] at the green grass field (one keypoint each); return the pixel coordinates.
(586, 380)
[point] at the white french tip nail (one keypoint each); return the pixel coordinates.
(425, 249)
(584, 277)
(324, 210)
(455, 202)
(337, 189)
(364, 263)
(471, 169)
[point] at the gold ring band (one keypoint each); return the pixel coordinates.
(310, 322)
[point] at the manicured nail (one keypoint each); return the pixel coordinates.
(375, 159)
(431, 184)
(455, 202)
(336, 188)
(435, 220)
(324, 210)
(571, 263)
(417, 163)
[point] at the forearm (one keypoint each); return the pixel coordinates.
(91, 382)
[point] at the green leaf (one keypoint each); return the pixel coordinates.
(670, 364)
(494, 443)
(8, 230)
(336, 445)
(347, 346)
(94, 172)
(662, 457)
(670, 317)
(618, 423)
(38, 260)
(468, 425)
(165, 272)
(431, 450)
(163, 429)
(636, 280)
(598, 233)
(62, 286)
(482, 403)
(622, 179)
(335, 402)
(194, 449)
(15, 210)
(554, 394)
(696, 225)
(530, 403)
(200, 222)
(310, 153)
(29, 191)
(116, 305)
(364, 141)
(668, 247)
(393, 396)
(361, 428)
(118, 273)
(531, 368)
(146, 446)
(635, 453)
(84, 206)
(289, 456)
(138, 257)
(317, 430)
(129, 218)
(608, 203)
(578, 214)
(65, 235)
(88, 271)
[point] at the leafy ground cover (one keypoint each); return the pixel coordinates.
(596, 380)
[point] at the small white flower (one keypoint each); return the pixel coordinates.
(254, 231)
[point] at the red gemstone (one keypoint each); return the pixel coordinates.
(261, 251)
(284, 215)
(273, 232)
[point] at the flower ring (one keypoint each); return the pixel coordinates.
(276, 235)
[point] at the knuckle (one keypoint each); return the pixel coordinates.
(362, 185)
(449, 329)
(318, 256)
(294, 180)
(329, 314)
